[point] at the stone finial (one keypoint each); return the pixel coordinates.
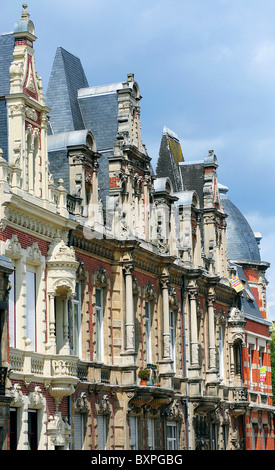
(25, 14)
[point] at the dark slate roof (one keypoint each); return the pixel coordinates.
(192, 176)
(100, 114)
(170, 155)
(6, 58)
(67, 76)
(59, 166)
(240, 239)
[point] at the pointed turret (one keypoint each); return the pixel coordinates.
(67, 77)
(170, 155)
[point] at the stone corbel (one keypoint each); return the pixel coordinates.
(13, 248)
(36, 399)
(80, 272)
(173, 301)
(135, 285)
(17, 396)
(101, 279)
(80, 404)
(103, 406)
(150, 293)
(173, 411)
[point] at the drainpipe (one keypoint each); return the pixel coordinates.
(70, 417)
(184, 358)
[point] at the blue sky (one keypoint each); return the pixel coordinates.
(206, 70)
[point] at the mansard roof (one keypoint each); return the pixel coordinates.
(248, 302)
(67, 76)
(170, 155)
(6, 58)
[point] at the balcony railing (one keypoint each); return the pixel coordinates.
(240, 394)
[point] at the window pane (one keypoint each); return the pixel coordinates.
(151, 427)
(98, 298)
(12, 322)
(148, 332)
(13, 429)
(32, 430)
(133, 433)
(31, 307)
(78, 431)
(102, 432)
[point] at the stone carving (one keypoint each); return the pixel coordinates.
(150, 293)
(34, 253)
(103, 406)
(31, 114)
(36, 399)
(173, 301)
(81, 404)
(17, 395)
(101, 277)
(59, 432)
(13, 248)
(59, 251)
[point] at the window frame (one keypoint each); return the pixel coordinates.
(133, 425)
(148, 319)
(172, 335)
(99, 312)
(174, 440)
(31, 310)
(77, 321)
(221, 351)
(12, 310)
(102, 437)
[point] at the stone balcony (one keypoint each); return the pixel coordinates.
(59, 373)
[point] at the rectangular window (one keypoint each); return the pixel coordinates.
(13, 429)
(133, 433)
(77, 320)
(12, 311)
(173, 338)
(224, 436)
(254, 432)
(32, 430)
(31, 306)
(172, 436)
(102, 423)
(78, 431)
(261, 357)
(250, 360)
(151, 433)
(99, 325)
(148, 331)
(214, 437)
(264, 443)
(221, 366)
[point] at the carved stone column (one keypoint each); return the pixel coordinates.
(52, 340)
(130, 318)
(194, 327)
(211, 331)
(165, 312)
(212, 377)
(66, 346)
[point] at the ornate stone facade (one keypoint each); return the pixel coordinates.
(102, 288)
